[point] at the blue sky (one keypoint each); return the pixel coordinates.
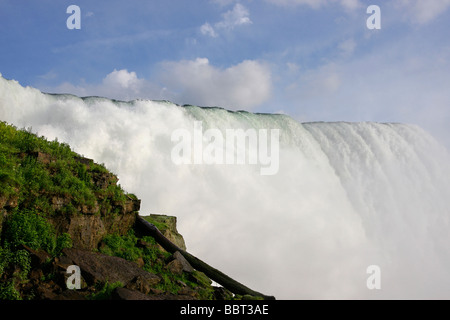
(314, 60)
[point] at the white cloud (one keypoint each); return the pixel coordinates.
(241, 86)
(207, 29)
(351, 4)
(223, 3)
(122, 79)
(119, 84)
(423, 11)
(311, 3)
(394, 83)
(347, 47)
(315, 4)
(238, 16)
(292, 67)
(325, 81)
(49, 75)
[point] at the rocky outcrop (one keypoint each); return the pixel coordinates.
(227, 282)
(87, 231)
(131, 282)
(60, 210)
(167, 225)
(7, 203)
(100, 268)
(179, 264)
(87, 223)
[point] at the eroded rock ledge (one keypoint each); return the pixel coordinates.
(59, 209)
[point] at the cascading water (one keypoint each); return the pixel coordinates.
(345, 196)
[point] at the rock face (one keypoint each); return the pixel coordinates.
(95, 221)
(131, 281)
(60, 210)
(89, 222)
(87, 231)
(168, 227)
(56, 195)
(7, 203)
(179, 264)
(99, 268)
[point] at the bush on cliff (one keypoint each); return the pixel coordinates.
(41, 180)
(51, 198)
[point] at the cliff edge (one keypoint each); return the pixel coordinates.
(68, 231)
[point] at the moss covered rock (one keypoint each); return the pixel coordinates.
(168, 227)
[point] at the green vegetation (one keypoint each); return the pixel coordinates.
(122, 246)
(26, 229)
(104, 291)
(35, 171)
(154, 258)
(30, 229)
(42, 181)
(9, 292)
(157, 223)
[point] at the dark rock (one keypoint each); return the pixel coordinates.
(131, 205)
(38, 257)
(143, 283)
(71, 295)
(220, 293)
(143, 244)
(11, 202)
(175, 266)
(140, 262)
(58, 202)
(42, 157)
(96, 267)
(128, 294)
(35, 275)
(186, 265)
(104, 179)
(46, 293)
(86, 161)
(179, 264)
(89, 209)
(87, 231)
(187, 292)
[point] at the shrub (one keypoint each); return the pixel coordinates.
(121, 246)
(22, 260)
(29, 228)
(104, 292)
(9, 292)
